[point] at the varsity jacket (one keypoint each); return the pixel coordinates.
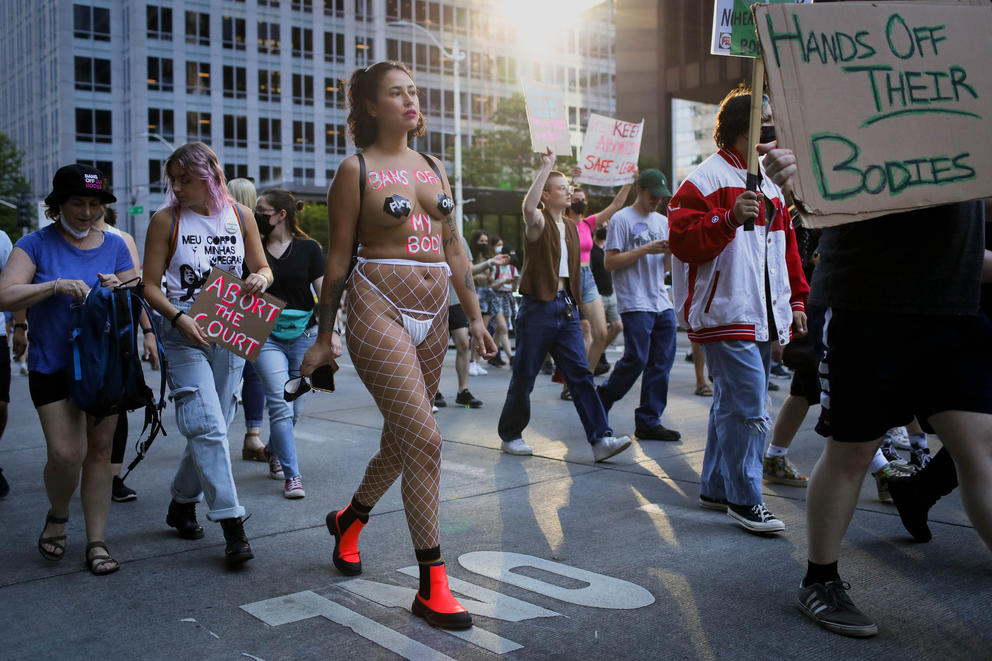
(718, 269)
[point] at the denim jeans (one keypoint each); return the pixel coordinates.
(739, 423)
(279, 361)
(542, 327)
(203, 382)
(252, 397)
(648, 347)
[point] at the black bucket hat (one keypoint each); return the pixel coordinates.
(78, 179)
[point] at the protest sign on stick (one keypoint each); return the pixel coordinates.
(885, 106)
(241, 323)
(733, 27)
(546, 117)
(609, 151)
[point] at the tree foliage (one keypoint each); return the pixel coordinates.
(12, 183)
(313, 221)
(502, 157)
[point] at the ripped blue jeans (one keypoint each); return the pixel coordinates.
(739, 422)
(202, 382)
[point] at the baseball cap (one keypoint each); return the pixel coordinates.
(78, 179)
(654, 181)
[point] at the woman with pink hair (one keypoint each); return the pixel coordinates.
(199, 227)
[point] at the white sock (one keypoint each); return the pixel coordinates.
(917, 441)
(877, 462)
(776, 451)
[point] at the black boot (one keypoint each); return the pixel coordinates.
(182, 517)
(238, 549)
(914, 496)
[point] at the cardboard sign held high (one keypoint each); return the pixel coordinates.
(886, 106)
(609, 151)
(546, 117)
(239, 323)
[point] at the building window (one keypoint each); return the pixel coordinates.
(155, 182)
(160, 74)
(161, 122)
(335, 142)
(334, 47)
(197, 77)
(363, 10)
(302, 42)
(197, 28)
(93, 125)
(303, 176)
(269, 133)
(233, 33)
(399, 51)
(90, 22)
(269, 85)
(235, 131)
(268, 38)
(235, 171)
(198, 126)
(363, 51)
(92, 74)
(269, 174)
(235, 86)
(268, 3)
(160, 23)
(302, 5)
(335, 95)
(334, 8)
(302, 136)
(302, 89)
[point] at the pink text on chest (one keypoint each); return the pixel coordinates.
(381, 178)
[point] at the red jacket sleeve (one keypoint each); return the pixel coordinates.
(797, 278)
(699, 227)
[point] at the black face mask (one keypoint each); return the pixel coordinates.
(579, 206)
(264, 226)
(767, 133)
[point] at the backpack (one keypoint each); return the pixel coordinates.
(107, 377)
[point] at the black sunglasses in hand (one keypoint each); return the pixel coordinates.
(322, 379)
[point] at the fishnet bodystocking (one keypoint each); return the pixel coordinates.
(402, 380)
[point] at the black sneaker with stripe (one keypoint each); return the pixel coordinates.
(828, 605)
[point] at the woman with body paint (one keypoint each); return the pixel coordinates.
(392, 207)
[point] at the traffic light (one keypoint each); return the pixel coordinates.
(24, 211)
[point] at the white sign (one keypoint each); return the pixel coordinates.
(609, 151)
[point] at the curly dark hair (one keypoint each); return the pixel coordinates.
(732, 117)
(363, 87)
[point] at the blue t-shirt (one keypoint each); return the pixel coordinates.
(53, 257)
(640, 287)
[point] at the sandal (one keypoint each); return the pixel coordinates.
(704, 391)
(253, 453)
(97, 563)
(58, 541)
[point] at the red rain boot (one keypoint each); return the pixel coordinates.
(346, 557)
(440, 608)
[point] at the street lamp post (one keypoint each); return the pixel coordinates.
(455, 56)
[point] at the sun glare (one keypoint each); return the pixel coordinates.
(539, 24)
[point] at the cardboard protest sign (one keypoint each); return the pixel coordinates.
(886, 106)
(241, 324)
(609, 151)
(546, 117)
(733, 27)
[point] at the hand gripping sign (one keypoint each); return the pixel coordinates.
(241, 323)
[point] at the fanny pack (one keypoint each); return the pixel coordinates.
(291, 324)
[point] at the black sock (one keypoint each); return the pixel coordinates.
(820, 573)
(354, 512)
(427, 558)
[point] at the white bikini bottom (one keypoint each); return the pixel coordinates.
(416, 328)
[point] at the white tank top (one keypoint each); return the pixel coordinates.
(202, 242)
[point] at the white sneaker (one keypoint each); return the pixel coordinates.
(475, 369)
(516, 446)
(606, 447)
